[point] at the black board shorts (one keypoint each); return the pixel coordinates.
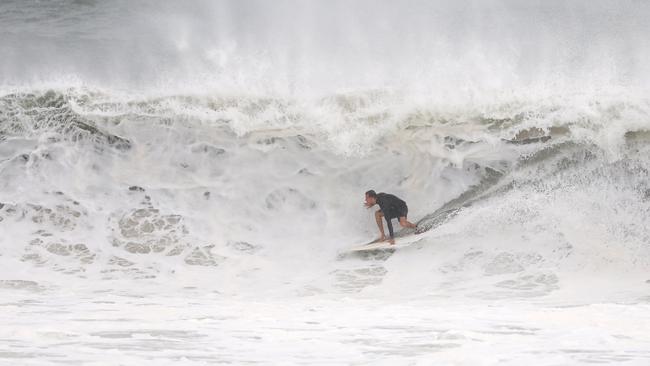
(399, 212)
(403, 211)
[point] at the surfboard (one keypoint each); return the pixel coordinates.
(400, 242)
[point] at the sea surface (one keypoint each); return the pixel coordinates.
(180, 181)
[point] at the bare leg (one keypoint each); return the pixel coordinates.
(404, 223)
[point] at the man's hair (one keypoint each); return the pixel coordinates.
(371, 193)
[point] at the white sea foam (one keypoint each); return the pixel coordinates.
(189, 203)
(171, 193)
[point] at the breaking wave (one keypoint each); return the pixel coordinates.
(254, 194)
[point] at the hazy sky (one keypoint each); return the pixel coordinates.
(332, 44)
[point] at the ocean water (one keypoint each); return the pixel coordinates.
(179, 182)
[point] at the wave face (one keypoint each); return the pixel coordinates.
(212, 158)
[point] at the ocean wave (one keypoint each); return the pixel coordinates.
(107, 186)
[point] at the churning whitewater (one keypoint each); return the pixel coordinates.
(179, 183)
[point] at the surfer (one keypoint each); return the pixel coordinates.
(390, 207)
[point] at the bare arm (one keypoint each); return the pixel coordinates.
(380, 225)
(390, 228)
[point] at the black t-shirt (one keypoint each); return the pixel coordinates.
(391, 206)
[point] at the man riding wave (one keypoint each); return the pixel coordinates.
(390, 207)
